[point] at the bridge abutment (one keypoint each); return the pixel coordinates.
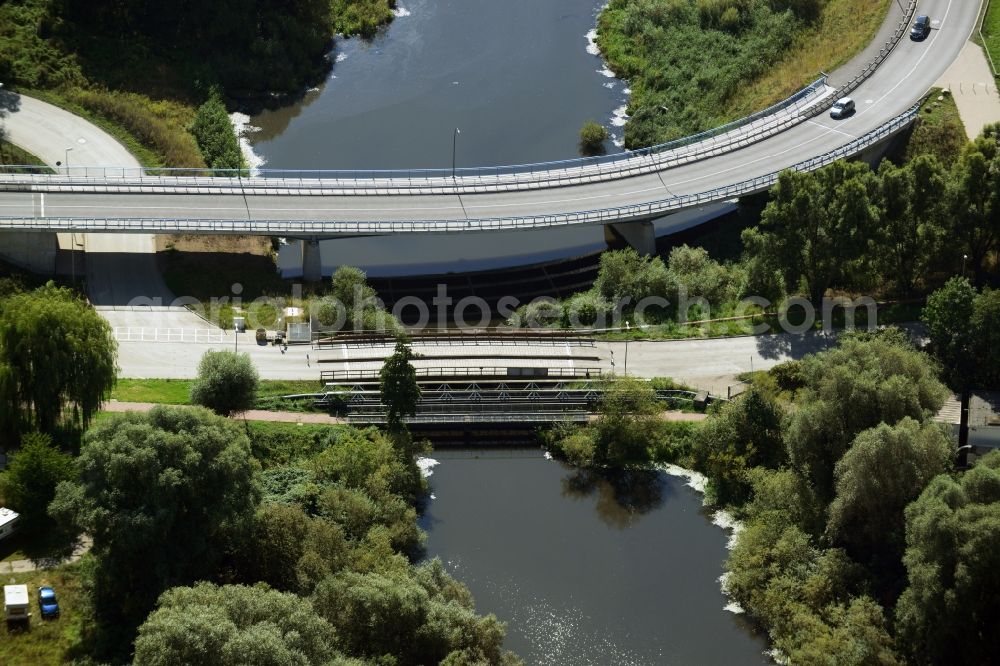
(641, 236)
(312, 264)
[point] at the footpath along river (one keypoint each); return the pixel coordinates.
(587, 571)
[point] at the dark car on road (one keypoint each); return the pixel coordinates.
(47, 603)
(921, 27)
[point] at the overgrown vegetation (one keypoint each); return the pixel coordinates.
(710, 61)
(592, 138)
(850, 514)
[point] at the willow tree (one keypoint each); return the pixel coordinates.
(57, 360)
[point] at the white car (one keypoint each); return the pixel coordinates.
(842, 108)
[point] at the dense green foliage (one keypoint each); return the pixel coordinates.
(227, 382)
(948, 614)
(691, 56)
(354, 305)
(29, 482)
(964, 330)
(181, 479)
(57, 361)
(361, 17)
(214, 133)
(819, 561)
(306, 562)
(743, 435)
(627, 432)
(592, 138)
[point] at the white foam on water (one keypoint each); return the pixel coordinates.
(619, 117)
(618, 140)
(400, 12)
(242, 127)
(433, 496)
(604, 71)
(592, 42)
(627, 91)
(721, 518)
(427, 466)
(695, 480)
(341, 57)
(610, 85)
(314, 89)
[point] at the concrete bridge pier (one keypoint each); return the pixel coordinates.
(641, 235)
(312, 264)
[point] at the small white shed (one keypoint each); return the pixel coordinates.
(15, 602)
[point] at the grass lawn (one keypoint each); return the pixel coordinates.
(991, 32)
(178, 391)
(843, 30)
(11, 154)
(940, 130)
(48, 641)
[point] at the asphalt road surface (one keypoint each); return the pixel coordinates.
(901, 80)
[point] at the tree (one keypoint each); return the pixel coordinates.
(227, 382)
(420, 616)
(964, 331)
(592, 138)
(949, 613)
(813, 228)
(626, 274)
(398, 386)
(350, 287)
(30, 480)
(885, 469)
(233, 624)
(56, 353)
(163, 495)
(948, 316)
(973, 201)
(910, 201)
(744, 434)
(628, 419)
(868, 379)
(215, 135)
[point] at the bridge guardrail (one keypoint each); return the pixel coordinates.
(643, 211)
(725, 138)
(354, 179)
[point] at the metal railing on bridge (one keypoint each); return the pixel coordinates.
(643, 211)
(192, 335)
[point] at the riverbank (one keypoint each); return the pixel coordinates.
(127, 71)
(744, 56)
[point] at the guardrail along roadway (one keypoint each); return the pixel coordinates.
(738, 159)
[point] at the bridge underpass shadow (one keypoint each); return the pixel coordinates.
(123, 271)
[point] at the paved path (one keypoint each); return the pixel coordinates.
(251, 415)
(119, 267)
(975, 90)
(23, 566)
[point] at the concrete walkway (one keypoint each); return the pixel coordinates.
(23, 566)
(251, 415)
(119, 267)
(975, 90)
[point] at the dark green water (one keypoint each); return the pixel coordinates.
(587, 571)
(514, 75)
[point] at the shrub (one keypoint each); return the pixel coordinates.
(215, 135)
(227, 382)
(592, 138)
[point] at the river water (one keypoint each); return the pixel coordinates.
(586, 571)
(517, 77)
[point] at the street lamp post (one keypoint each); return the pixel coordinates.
(628, 329)
(66, 161)
(454, 148)
(964, 259)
